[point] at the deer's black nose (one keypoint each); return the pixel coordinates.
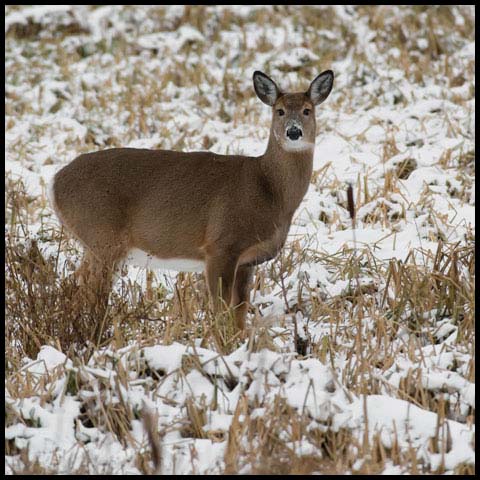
(294, 133)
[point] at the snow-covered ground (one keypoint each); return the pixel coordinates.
(399, 125)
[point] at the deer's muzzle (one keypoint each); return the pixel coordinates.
(294, 133)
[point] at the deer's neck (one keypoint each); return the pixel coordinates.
(288, 173)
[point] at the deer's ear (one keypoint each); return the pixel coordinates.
(321, 87)
(265, 88)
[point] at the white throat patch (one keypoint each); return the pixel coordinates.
(296, 145)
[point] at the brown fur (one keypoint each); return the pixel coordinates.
(230, 211)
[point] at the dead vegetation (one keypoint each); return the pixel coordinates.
(388, 310)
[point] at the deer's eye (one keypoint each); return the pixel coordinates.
(281, 112)
(307, 111)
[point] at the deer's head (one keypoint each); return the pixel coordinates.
(293, 122)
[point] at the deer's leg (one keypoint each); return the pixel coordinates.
(82, 274)
(94, 280)
(220, 273)
(99, 288)
(94, 276)
(241, 293)
(100, 280)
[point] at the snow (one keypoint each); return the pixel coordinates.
(399, 419)
(51, 118)
(307, 385)
(164, 357)
(36, 13)
(176, 40)
(54, 430)
(47, 359)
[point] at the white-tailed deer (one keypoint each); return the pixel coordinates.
(194, 210)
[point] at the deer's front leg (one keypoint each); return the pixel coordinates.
(220, 273)
(241, 293)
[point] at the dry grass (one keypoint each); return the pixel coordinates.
(363, 321)
(42, 314)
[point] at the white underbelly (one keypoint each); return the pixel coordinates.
(139, 258)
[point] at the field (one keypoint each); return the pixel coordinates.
(360, 352)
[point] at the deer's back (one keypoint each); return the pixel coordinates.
(133, 176)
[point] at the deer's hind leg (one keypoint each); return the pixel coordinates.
(94, 280)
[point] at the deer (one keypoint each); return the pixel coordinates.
(193, 211)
